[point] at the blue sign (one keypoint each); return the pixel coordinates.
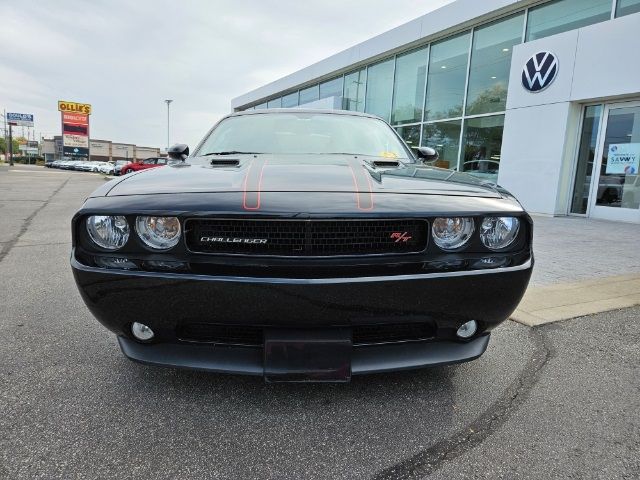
(540, 71)
(20, 119)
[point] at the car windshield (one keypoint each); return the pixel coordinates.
(304, 133)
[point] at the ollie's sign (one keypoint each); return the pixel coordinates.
(74, 107)
(75, 129)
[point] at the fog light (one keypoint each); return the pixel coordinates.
(491, 262)
(468, 330)
(141, 332)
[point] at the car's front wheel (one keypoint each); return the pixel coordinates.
(124, 172)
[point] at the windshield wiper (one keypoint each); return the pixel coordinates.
(231, 152)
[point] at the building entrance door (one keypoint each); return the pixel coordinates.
(615, 183)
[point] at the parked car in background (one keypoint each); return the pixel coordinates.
(106, 168)
(69, 164)
(152, 162)
(83, 166)
(117, 166)
(96, 166)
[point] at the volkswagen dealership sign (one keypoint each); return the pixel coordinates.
(540, 72)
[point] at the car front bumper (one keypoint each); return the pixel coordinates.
(165, 301)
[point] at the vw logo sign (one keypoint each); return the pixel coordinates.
(540, 71)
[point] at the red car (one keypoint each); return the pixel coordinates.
(152, 162)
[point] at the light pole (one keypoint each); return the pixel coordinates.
(168, 101)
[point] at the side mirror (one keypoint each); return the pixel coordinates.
(179, 151)
(427, 154)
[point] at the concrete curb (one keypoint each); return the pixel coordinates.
(553, 303)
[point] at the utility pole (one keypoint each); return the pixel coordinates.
(4, 132)
(168, 101)
(10, 146)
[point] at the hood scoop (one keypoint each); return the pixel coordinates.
(225, 162)
(385, 163)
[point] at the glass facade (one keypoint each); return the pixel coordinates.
(447, 77)
(274, 103)
(408, 87)
(445, 138)
(586, 157)
(331, 88)
(490, 65)
(482, 143)
(291, 100)
(354, 88)
(308, 95)
(627, 7)
(564, 15)
(451, 94)
(378, 95)
(411, 135)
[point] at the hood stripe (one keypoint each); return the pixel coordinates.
(252, 186)
(362, 184)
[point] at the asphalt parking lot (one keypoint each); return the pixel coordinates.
(557, 401)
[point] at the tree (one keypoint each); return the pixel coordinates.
(4, 149)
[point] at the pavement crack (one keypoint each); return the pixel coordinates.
(8, 246)
(428, 461)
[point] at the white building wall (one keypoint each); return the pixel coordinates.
(596, 63)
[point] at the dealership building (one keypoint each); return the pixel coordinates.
(542, 97)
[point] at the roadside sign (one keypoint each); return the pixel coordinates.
(75, 134)
(20, 119)
(74, 107)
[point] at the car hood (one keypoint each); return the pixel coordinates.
(299, 173)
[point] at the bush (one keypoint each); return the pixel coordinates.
(26, 160)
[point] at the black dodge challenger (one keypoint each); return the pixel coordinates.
(301, 245)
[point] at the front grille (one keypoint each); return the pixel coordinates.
(250, 335)
(306, 237)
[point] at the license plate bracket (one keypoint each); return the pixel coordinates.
(307, 355)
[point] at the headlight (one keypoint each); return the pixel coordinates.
(452, 233)
(108, 232)
(161, 233)
(497, 233)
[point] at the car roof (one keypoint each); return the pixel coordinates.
(301, 110)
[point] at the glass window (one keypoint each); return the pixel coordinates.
(411, 135)
(619, 182)
(261, 106)
(490, 65)
(274, 103)
(564, 15)
(408, 87)
(586, 155)
(309, 95)
(354, 87)
(331, 88)
(627, 7)
(445, 138)
(297, 132)
(379, 89)
(447, 77)
(290, 100)
(481, 146)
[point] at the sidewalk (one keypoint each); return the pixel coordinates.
(583, 266)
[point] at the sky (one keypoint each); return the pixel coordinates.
(125, 57)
